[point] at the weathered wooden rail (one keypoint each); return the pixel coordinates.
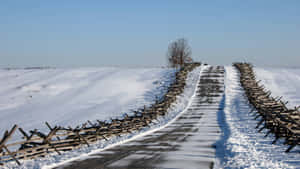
(275, 116)
(37, 144)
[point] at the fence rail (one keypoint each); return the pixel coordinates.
(275, 116)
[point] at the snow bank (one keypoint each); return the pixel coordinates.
(83, 152)
(282, 82)
(241, 146)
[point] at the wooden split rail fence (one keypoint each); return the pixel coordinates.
(276, 117)
(37, 144)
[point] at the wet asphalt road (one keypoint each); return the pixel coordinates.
(186, 143)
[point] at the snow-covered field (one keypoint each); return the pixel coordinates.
(69, 97)
(282, 82)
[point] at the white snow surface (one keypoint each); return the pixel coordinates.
(70, 97)
(76, 95)
(241, 145)
(282, 82)
(156, 78)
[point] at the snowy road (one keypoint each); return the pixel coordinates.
(188, 142)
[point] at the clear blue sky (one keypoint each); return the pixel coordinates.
(94, 33)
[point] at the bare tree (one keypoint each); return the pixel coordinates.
(179, 53)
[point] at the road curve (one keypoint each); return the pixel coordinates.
(188, 142)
